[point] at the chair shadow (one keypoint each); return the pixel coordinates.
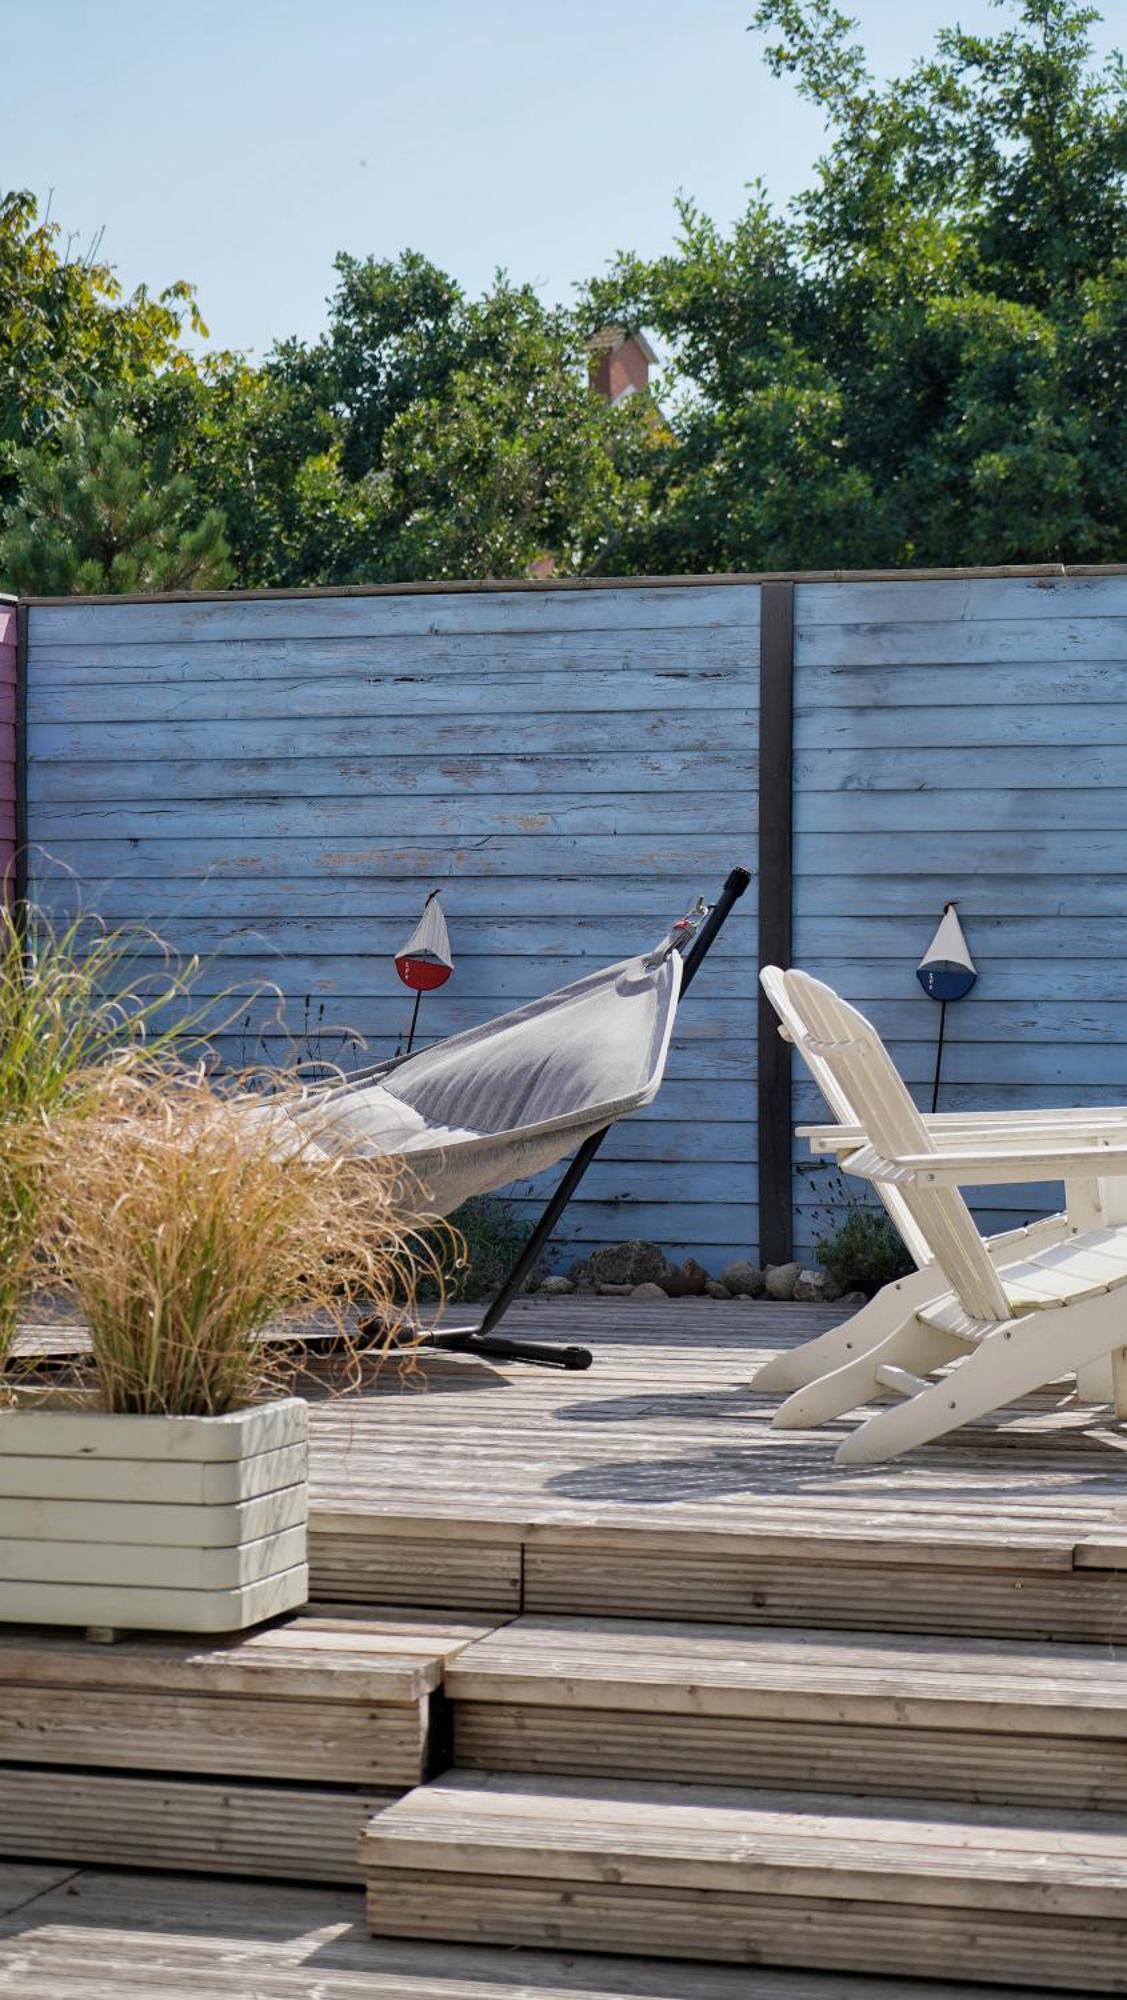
(803, 1462)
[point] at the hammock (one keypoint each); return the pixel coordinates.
(504, 1101)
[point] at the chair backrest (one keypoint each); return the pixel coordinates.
(773, 982)
(853, 1051)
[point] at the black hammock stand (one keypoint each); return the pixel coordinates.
(701, 935)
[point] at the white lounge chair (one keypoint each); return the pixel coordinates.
(1056, 1310)
(1090, 1202)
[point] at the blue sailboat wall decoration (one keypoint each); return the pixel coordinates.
(947, 971)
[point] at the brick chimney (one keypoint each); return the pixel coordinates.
(620, 363)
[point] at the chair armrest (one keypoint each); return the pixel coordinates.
(990, 1129)
(960, 1164)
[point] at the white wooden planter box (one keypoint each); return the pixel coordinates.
(190, 1524)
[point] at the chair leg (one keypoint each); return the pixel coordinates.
(1009, 1363)
(913, 1347)
(867, 1327)
(885, 1312)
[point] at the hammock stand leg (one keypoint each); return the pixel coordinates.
(481, 1339)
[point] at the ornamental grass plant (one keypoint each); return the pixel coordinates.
(81, 1009)
(183, 1223)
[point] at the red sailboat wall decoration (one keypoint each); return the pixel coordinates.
(425, 963)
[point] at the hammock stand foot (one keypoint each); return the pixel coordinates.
(482, 1339)
(471, 1340)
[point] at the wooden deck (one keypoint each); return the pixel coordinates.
(599, 1661)
(653, 1485)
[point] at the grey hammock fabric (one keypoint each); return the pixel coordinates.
(504, 1101)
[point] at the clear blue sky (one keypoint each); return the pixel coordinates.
(241, 143)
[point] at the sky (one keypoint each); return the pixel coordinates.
(241, 144)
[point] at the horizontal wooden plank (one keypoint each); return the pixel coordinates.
(181, 1569)
(403, 776)
(372, 1569)
(305, 1832)
(954, 854)
(667, 1669)
(575, 855)
(136, 1608)
(389, 698)
(825, 1754)
(878, 728)
(1005, 980)
(840, 815)
(357, 816)
(89, 1434)
(461, 734)
(302, 1741)
(505, 948)
(1050, 639)
(319, 1656)
(962, 767)
(100, 662)
(421, 614)
(150, 1482)
(947, 600)
(164, 1525)
(494, 982)
(1059, 942)
(998, 888)
(640, 907)
(1059, 1022)
(1079, 679)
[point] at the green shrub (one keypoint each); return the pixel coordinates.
(865, 1251)
(492, 1238)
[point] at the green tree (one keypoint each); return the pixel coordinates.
(425, 434)
(96, 514)
(69, 334)
(922, 361)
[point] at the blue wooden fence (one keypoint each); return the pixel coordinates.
(276, 783)
(967, 739)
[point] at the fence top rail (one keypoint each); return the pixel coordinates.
(1051, 572)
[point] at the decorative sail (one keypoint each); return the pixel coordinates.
(424, 962)
(947, 971)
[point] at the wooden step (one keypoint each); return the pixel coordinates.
(117, 1936)
(707, 1872)
(871, 1713)
(262, 1755)
(319, 1699)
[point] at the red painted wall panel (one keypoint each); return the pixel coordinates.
(7, 742)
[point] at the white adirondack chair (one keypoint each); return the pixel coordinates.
(1091, 1202)
(1010, 1326)
(883, 1313)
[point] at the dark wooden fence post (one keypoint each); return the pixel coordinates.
(776, 820)
(11, 646)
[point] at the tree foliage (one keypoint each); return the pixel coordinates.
(98, 515)
(921, 361)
